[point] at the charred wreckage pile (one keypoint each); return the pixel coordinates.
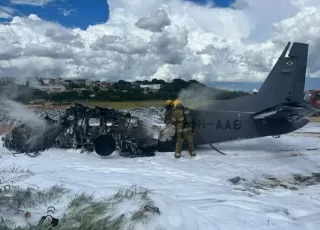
(93, 129)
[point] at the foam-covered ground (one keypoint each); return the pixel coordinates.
(197, 193)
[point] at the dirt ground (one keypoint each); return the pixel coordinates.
(5, 129)
(315, 119)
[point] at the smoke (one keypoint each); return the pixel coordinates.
(16, 110)
(150, 130)
(166, 133)
(21, 113)
(196, 96)
(26, 116)
(15, 92)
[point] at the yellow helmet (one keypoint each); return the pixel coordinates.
(168, 102)
(176, 102)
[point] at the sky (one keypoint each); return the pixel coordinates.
(217, 42)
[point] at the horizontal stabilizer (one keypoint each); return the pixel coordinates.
(264, 115)
(292, 112)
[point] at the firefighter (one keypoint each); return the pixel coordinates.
(168, 112)
(181, 118)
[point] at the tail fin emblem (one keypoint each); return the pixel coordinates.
(289, 63)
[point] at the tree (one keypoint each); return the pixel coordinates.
(95, 89)
(123, 90)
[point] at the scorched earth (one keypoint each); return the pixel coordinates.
(263, 183)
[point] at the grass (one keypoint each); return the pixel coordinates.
(105, 214)
(12, 174)
(129, 208)
(315, 119)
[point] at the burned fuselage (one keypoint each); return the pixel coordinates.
(93, 129)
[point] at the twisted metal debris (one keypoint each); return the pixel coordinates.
(98, 129)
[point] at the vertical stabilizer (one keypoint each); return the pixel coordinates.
(286, 81)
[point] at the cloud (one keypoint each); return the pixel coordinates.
(65, 9)
(31, 2)
(66, 12)
(164, 39)
(6, 12)
(239, 4)
(155, 22)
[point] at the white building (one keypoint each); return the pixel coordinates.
(50, 88)
(151, 86)
(46, 81)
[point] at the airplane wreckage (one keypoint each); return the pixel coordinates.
(278, 108)
(90, 128)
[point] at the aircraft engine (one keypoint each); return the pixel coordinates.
(104, 145)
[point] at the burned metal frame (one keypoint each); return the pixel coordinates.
(115, 129)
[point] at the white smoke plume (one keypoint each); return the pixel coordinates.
(13, 91)
(27, 117)
(166, 133)
(21, 113)
(196, 96)
(193, 97)
(17, 110)
(150, 130)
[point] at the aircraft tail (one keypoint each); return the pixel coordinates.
(283, 86)
(286, 81)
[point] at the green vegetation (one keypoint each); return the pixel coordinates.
(129, 208)
(119, 95)
(123, 91)
(113, 104)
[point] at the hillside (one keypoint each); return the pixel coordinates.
(118, 91)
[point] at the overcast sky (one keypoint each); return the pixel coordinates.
(223, 40)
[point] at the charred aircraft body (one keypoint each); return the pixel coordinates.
(90, 128)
